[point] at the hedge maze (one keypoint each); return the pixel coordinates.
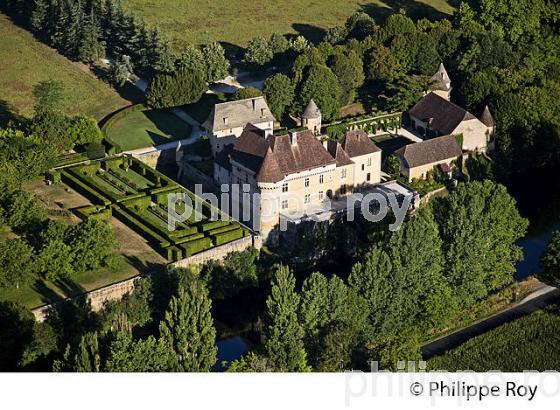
(137, 195)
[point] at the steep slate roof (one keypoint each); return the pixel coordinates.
(273, 158)
(238, 113)
(486, 117)
(443, 115)
(430, 151)
(336, 151)
(357, 143)
(441, 78)
(312, 111)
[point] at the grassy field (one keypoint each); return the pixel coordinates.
(25, 62)
(237, 21)
(529, 343)
(141, 127)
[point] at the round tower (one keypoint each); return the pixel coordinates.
(311, 118)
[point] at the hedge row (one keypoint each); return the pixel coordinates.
(227, 237)
(213, 225)
(181, 233)
(96, 212)
(140, 227)
(189, 238)
(223, 229)
(84, 188)
(194, 247)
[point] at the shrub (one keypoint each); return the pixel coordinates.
(223, 229)
(95, 150)
(197, 246)
(227, 237)
(213, 225)
(189, 238)
(84, 189)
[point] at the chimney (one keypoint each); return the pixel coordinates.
(293, 138)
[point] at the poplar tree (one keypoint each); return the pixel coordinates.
(188, 329)
(284, 343)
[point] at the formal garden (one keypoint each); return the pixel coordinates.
(137, 195)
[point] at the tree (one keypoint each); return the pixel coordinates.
(259, 52)
(251, 363)
(215, 61)
(278, 43)
(145, 355)
(247, 92)
(162, 58)
(91, 48)
(24, 211)
(392, 165)
(550, 260)
(188, 329)
(16, 331)
(92, 243)
(382, 64)
(284, 335)
(85, 358)
(192, 59)
(347, 76)
(120, 70)
(397, 24)
(299, 44)
(83, 129)
(49, 96)
(279, 93)
(183, 86)
(56, 260)
(479, 225)
(404, 92)
(322, 86)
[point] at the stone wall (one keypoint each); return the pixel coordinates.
(220, 252)
(156, 157)
(95, 298)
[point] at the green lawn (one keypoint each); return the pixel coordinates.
(142, 127)
(237, 21)
(25, 62)
(529, 343)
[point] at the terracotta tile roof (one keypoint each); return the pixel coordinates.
(430, 151)
(443, 115)
(336, 151)
(357, 143)
(275, 157)
(486, 117)
(233, 114)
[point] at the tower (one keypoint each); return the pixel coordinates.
(441, 83)
(311, 118)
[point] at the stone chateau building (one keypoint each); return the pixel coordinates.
(295, 171)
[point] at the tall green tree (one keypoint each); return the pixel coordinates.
(284, 334)
(479, 225)
(550, 260)
(321, 85)
(188, 329)
(279, 92)
(216, 63)
(259, 52)
(17, 264)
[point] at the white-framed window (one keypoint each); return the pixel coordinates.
(343, 173)
(321, 195)
(321, 178)
(306, 182)
(285, 204)
(307, 198)
(285, 187)
(369, 162)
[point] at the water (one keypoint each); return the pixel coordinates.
(230, 349)
(533, 247)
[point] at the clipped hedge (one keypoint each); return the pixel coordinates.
(140, 227)
(208, 226)
(223, 229)
(197, 246)
(181, 233)
(189, 238)
(137, 201)
(89, 169)
(100, 213)
(84, 189)
(227, 237)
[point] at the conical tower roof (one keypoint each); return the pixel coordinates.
(486, 117)
(312, 111)
(441, 78)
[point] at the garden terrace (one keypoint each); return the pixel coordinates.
(138, 196)
(371, 125)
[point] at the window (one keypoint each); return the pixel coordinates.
(285, 204)
(306, 182)
(369, 162)
(307, 198)
(368, 177)
(321, 195)
(343, 173)
(363, 167)
(343, 190)
(285, 187)
(321, 178)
